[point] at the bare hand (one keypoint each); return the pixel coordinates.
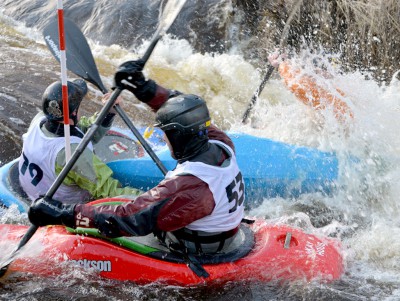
(118, 101)
(276, 58)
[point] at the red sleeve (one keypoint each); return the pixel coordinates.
(188, 199)
(310, 93)
(158, 100)
(191, 199)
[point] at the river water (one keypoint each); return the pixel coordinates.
(363, 212)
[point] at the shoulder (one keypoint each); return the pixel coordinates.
(215, 133)
(37, 119)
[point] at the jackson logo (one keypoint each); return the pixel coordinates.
(53, 46)
(99, 265)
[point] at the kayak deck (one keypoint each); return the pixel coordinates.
(279, 252)
(150, 246)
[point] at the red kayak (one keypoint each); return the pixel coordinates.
(264, 252)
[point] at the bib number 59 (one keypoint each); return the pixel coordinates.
(35, 171)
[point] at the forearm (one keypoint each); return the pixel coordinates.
(310, 93)
(118, 220)
(160, 96)
(169, 206)
(299, 85)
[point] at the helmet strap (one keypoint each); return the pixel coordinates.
(74, 116)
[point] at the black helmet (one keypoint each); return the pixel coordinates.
(52, 104)
(184, 119)
(186, 112)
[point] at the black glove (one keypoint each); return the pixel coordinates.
(107, 226)
(46, 211)
(129, 76)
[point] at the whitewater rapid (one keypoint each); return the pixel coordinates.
(363, 212)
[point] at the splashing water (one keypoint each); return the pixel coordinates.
(364, 210)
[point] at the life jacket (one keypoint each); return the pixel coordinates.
(37, 165)
(213, 232)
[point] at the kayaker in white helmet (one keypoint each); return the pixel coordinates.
(199, 205)
(43, 151)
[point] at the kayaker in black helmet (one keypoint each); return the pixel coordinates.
(197, 207)
(43, 152)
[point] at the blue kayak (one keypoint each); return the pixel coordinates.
(270, 168)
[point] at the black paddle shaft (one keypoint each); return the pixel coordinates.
(257, 94)
(285, 32)
(81, 62)
(145, 145)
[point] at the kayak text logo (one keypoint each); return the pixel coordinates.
(99, 265)
(53, 46)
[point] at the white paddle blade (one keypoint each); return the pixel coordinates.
(169, 14)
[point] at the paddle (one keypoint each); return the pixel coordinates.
(167, 17)
(81, 62)
(79, 56)
(270, 69)
(256, 94)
